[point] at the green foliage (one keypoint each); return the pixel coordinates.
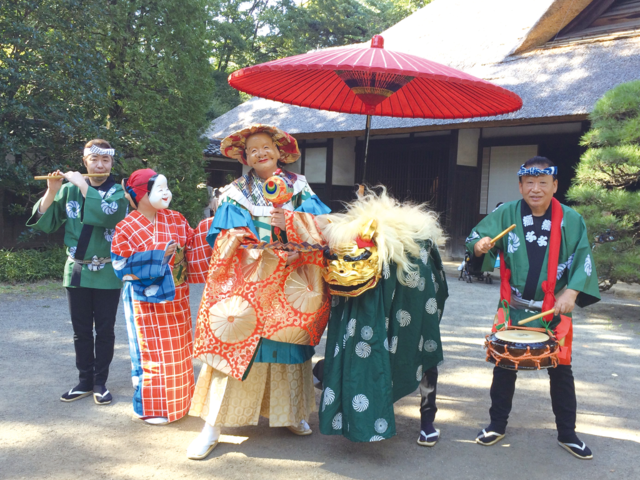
(606, 186)
(18, 266)
(136, 73)
(52, 94)
(147, 76)
(161, 85)
(247, 32)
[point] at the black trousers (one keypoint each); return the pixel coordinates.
(428, 386)
(563, 398)
(93, 307)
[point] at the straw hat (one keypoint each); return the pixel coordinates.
(234, 145)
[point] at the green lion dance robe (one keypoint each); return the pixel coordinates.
(378, 346)
(576, 269)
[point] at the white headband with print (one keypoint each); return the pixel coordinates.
(98, 151)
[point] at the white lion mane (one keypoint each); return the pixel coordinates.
(401, 226)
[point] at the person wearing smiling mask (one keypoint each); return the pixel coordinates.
(156, 253)
(263, 307)
(89, 209)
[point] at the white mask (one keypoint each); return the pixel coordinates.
(160, 195)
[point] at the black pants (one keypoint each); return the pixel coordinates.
(428, 385)
(89, 307)
(563, 398)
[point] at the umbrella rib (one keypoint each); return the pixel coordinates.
(418, 99)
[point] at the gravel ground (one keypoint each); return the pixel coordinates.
(41, 437)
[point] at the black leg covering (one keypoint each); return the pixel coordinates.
(563, 401)
(428, 386)
(89, 306)
(502, 389)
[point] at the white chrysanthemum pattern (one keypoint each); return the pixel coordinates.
(109, 233)
(422, 284)
(381, 425)
(73, 209)
(412, 279)
(430, 346)
(366, 333)
(403, 317)
(419, 373)
(336, 423)
(394, 344)
(336, 351)
(360, 403)
(328, 397)
(351, 327)
(431, 306)
(363, 349)
(109, 208)
(420, 343)
(376, 438)
(471, 237)
(587, 265)
(513, 243)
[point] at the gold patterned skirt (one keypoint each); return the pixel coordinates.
(282, 393)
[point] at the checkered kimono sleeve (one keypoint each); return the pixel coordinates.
(199, 253)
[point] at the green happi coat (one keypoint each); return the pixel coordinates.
(378, 346)
(89, 225)
(576, 269)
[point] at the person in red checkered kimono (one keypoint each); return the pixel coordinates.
(157, 254)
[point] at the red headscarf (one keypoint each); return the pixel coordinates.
(138, 183)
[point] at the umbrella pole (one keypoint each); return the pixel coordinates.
(366, 147)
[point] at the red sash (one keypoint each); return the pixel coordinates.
(564, 330)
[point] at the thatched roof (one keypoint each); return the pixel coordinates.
(479, 37)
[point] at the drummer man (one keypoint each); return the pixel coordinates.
(546, 264)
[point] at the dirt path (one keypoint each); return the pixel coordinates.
(43, 438)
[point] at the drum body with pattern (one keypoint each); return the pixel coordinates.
(522, 350)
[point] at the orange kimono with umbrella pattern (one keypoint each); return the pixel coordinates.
(259, 316)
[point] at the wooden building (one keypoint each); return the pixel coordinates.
(560, 56)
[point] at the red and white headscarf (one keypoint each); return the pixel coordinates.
(137, 185)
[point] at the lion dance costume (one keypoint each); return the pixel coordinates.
(383, 341)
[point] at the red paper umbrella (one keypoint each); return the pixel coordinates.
(375, 81)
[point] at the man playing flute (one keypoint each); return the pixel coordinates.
(89, 210)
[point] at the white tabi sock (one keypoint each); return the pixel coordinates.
(203, 441)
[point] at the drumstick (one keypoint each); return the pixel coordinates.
(535, 317)
(494, 240)
(58, 177)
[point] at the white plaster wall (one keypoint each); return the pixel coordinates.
(503, 172)
(468, 147)
(344, 161)
(315, 164)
